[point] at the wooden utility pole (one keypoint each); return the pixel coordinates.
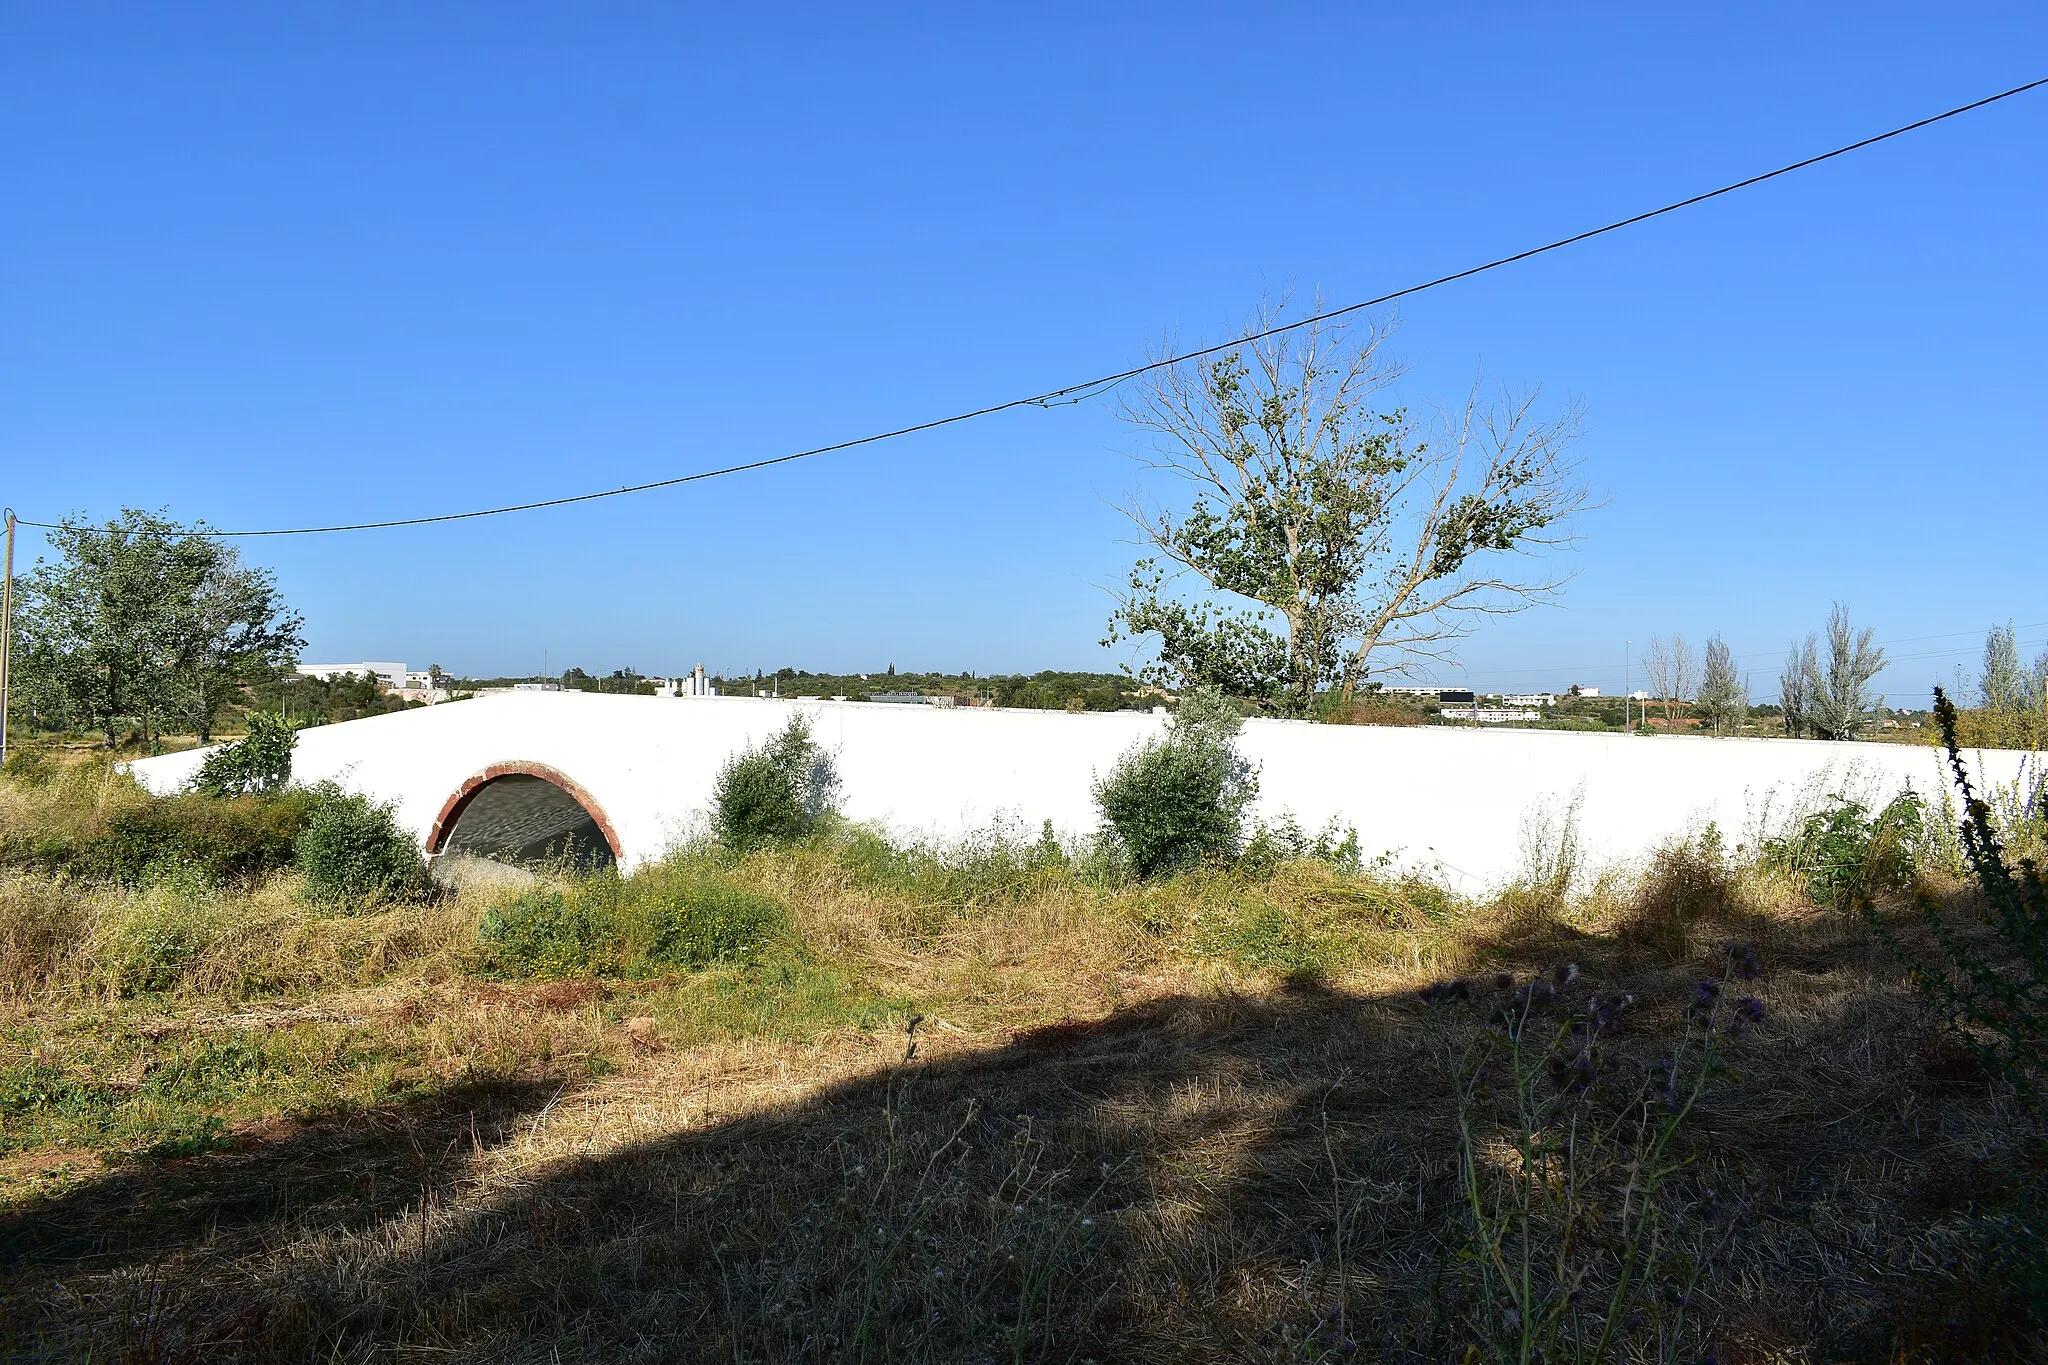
(6, 630)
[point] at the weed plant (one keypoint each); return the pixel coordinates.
(939, 885)
(1845, 855)
(1988, 983)
(1690, 883)
(130, 837)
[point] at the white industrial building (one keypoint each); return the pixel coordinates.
(389, 674)
(628, 776)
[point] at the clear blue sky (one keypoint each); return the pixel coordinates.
(280, 265)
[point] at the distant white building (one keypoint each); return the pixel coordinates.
(1578, 690)
(691, 684)
(389, 674)
(1407, 691)
(1530, 699)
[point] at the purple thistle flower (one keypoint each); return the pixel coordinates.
(1749, 1010)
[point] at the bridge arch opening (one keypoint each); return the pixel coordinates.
(524, 814)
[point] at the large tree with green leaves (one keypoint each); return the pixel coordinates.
(1328, 538)
(144, 622)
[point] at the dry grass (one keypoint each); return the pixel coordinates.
(1201, 1120)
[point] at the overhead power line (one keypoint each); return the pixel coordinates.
(1074, 393)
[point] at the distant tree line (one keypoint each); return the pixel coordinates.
(1048, 690)
(625, 682)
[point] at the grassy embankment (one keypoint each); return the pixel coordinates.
(848, 1101)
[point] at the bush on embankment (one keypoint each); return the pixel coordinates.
(665, 918)
(354, 854)
(97, 823)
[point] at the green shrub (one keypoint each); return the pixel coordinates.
(1173, 801)
(662, 918)
(260, 761)
(1845, 855)
(353, 852)
(775, 793)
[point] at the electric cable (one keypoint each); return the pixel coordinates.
(1073, 393)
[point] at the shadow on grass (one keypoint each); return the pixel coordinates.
(334, 1172)
(1265, 1177)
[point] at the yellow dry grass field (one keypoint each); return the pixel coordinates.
(992, 1105)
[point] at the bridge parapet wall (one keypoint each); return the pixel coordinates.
(1432, 797)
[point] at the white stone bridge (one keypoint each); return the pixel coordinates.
(530, 774)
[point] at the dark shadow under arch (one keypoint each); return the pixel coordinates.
(523, 812)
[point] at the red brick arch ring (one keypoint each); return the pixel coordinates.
(452, 808)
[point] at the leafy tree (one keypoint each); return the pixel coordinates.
(1837, 683)
(1172, 801)
(146, 621)
(1325, 536)
(1723, 698)
(230, 630)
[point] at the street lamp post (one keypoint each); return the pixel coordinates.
(1626, 700)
